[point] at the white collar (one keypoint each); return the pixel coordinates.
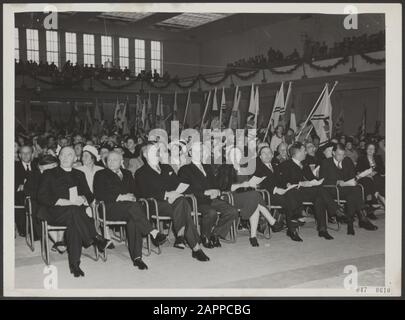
(66, 169)
(297, 162)
(336, 162)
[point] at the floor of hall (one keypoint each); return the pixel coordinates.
(276, 263)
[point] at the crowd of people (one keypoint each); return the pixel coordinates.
(64, 174)
(74, 71)
(313, 51)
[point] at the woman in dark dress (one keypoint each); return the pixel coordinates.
(233, 177)
(374, 183)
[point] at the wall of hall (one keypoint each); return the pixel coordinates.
(285, 36)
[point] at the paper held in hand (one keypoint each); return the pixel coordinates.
(256, 180)
(182, 187)
(73, 195)
(316, 182)
(365, 173)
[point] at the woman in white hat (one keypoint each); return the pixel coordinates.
(89, 158)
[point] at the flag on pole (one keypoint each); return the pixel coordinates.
(251, 121)
(287, 104)
(222, 108)
(215, 114)
(338, 127)
(293, 121)
(362, 128)
(278, 108)
(175, 107)
(186, 108)
(234, 120)
(125, 118)
(321, 118)
(204, 122)
(97, 114)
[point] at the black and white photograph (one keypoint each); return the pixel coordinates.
(199, 149)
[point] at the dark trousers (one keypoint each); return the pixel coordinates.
(353, 197)
(290, 202)
(180, 212)
(373, 185)
(19, 214)
(80, 229)
(211, 224)
(314, 194)
(137, 223)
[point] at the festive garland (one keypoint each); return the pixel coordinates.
(272, 70)
(200, 77)
(343, 60)
(372, 60)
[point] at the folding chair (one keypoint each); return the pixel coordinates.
(158, 219)
(46, 228)
(29, 228)
(105, 224)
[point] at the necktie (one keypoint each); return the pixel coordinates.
(119, 173)
(27, 167)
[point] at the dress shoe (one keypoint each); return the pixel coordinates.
(277, 226)
(325, 234)
(293, 234)
(207, 243)
(159, 239)
(101, 243)
(76, 271)
(371, 215)
(253, 242)
(350, 229)
(179, 243)
(366, 224)
(138, 262)
(111, 246)
(214, 239)
(200, 255)
(332, 220)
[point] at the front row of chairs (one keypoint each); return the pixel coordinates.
(152, 212)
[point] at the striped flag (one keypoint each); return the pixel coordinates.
(321, 119)
(234, 120)
(362, 128)
(251, 121)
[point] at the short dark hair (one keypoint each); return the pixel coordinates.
(47, 159)
(339, 146)
(129, 138)
(295, 147)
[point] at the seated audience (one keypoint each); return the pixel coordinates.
(115, 186)
(279, 196)
(374, 183)
(65, 194)
(157, 180)
(204, 186)
(232, 177)
(340, 171)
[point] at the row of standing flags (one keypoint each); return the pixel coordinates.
(319, 119)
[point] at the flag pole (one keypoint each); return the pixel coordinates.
(206, 108)
(271, 116)
(220, 109)
(187, 104)
(312, 111)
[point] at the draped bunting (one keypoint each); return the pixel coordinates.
(241, 75)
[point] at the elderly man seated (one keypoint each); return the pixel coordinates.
(65, 194)
(115, 186)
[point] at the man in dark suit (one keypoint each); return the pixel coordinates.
(340, 171)
(292, 172)
(289, 200)
(31, 186)
(159, 181)
(65, 194)
(202, 184)
(23, 170)
(115, 186)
